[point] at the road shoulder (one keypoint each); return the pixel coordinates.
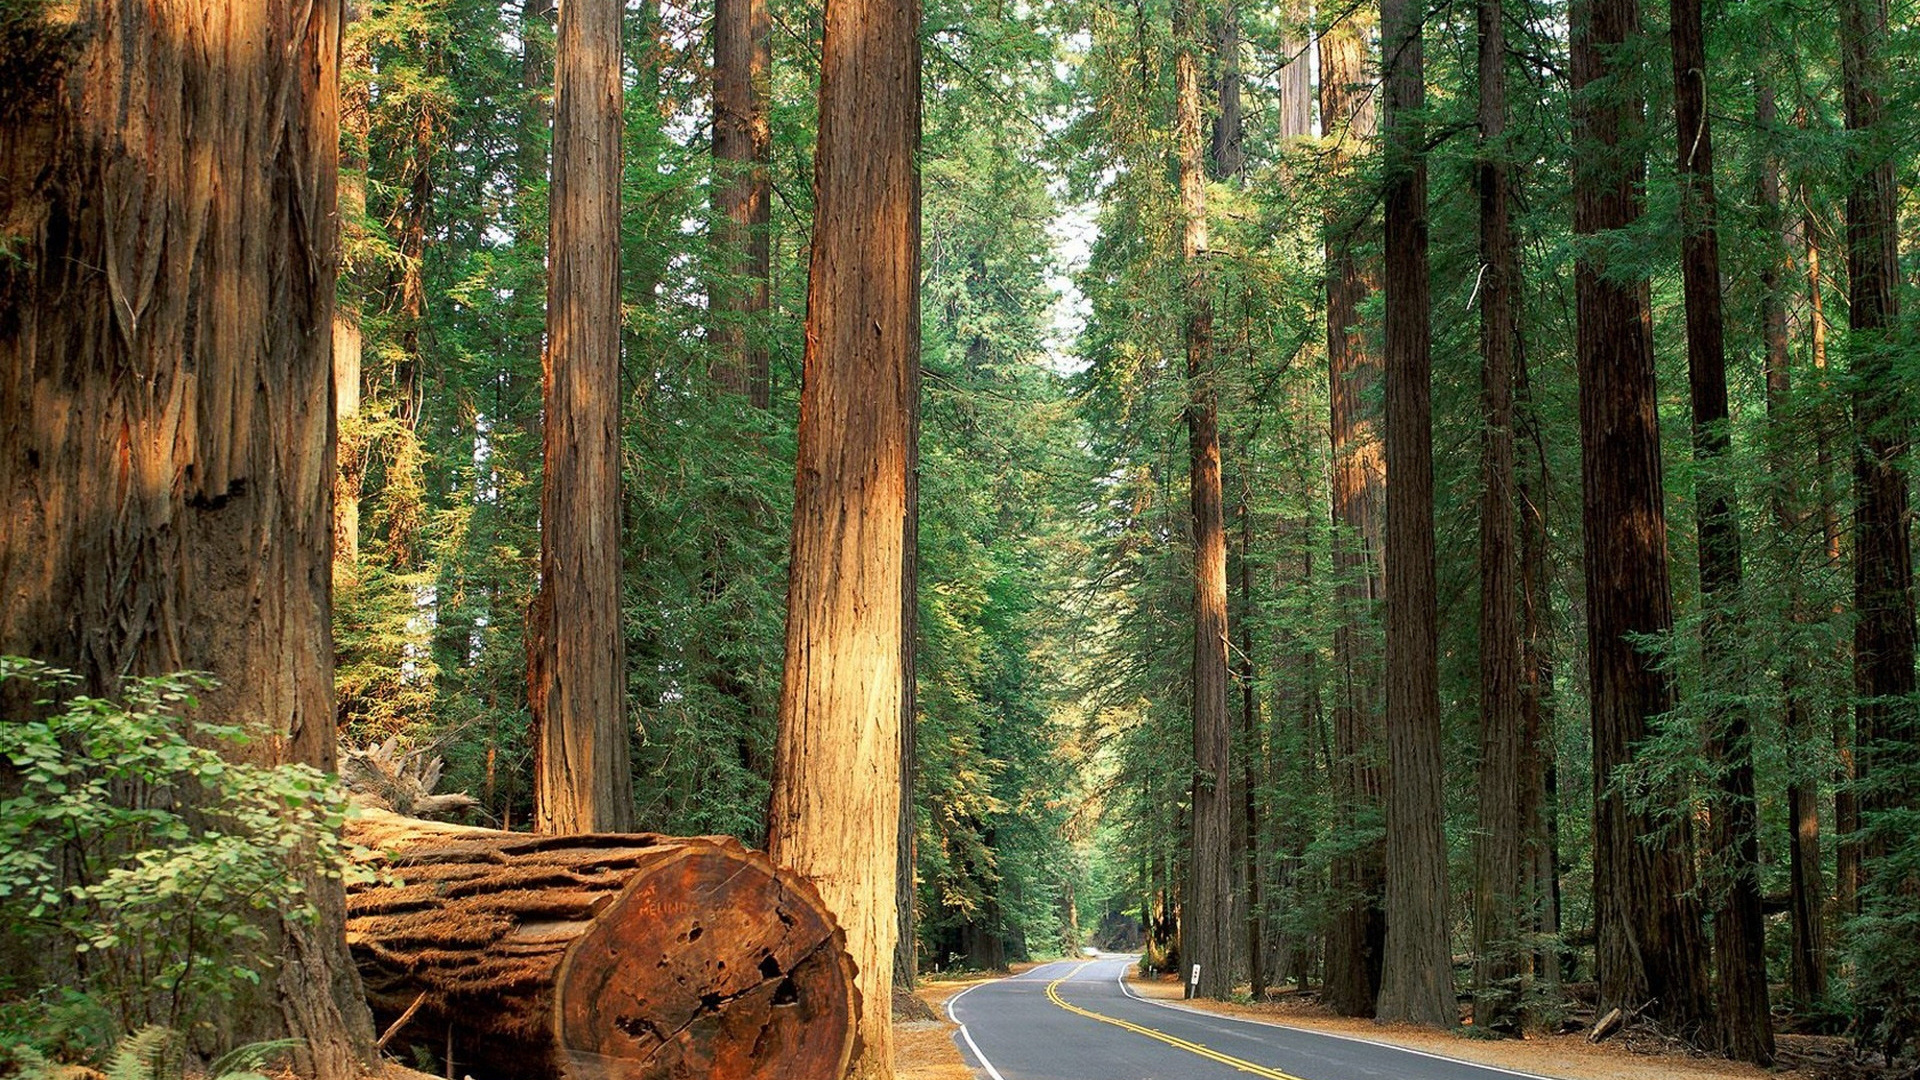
(1560, 1057)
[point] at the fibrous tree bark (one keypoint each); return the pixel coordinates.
(166, 312)
(576, 649)
(742, 154)
(1417, 976)
(1357, 932)
(603, 954)
(1499, 892)
(1746, 1026)
(1650, 951)
(1539, 759)
(835, 809)
(1886, 732)
(1206, 918)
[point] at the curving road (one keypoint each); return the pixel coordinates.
(1077, 1020)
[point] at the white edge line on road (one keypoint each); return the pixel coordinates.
(1129, 991)
(967, 1035)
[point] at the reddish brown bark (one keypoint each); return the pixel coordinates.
(1499, 891)
(1650, 951)
(1739, 935)
(1417, 982)
(742, 152)
(1206, 918)
(167, 457)
(1885, 729)
(516, 954)
(835, 809)
(1357, 932)
(576, 671)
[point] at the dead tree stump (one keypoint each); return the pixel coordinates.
(599, 957)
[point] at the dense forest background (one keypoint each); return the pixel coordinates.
(1613, 700)
(1053, 769)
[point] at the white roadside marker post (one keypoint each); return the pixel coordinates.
(1193, 982)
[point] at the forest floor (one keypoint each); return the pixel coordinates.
(1630, 1056)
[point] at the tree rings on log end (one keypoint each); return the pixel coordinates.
(708, 965)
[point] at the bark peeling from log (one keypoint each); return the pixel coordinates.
(620, 957)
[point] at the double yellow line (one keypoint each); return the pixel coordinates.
(1053, 995)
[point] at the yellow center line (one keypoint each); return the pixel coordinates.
(1053, 995)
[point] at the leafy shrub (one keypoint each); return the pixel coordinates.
(139, 866)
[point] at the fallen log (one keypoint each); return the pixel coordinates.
(597, 957)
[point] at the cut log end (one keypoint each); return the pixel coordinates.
(602, 957)
(670, 983)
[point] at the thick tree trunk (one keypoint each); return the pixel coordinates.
(576, 648)
(1786, 502)
(1650, 950)
(531, 957)
(835, 809)
(1357, 932)
(742, 155)
(1739, 933)
(1206, 919)
(165, 319)
(1417, 983)
(1499, 892)
(1885, 729)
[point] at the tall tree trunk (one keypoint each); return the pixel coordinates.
(165, 318)
(1538, 762)
(1296, 78)
(1206, 919)
(1499, 892)
(1650, 951)
(742, 155)
(1846, 799)
(1418, 974)
(835, 810)
(1252, 759)
(1227, 156)
(1885, 729)
(576, 648)
(1739, 932)
(1805, 886)
(1356, 935)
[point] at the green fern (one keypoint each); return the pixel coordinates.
(152, 1053)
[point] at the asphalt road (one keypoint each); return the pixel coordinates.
(1076, 1020)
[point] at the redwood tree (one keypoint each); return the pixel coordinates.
(166, 321)
(1206, 919)
(576, 650)
(1417, 975)
(1498, 890)
(1357, 933)
(742, 150)
(834, 813)
(1883, 638)
(1734, 836)
(1650, 951)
